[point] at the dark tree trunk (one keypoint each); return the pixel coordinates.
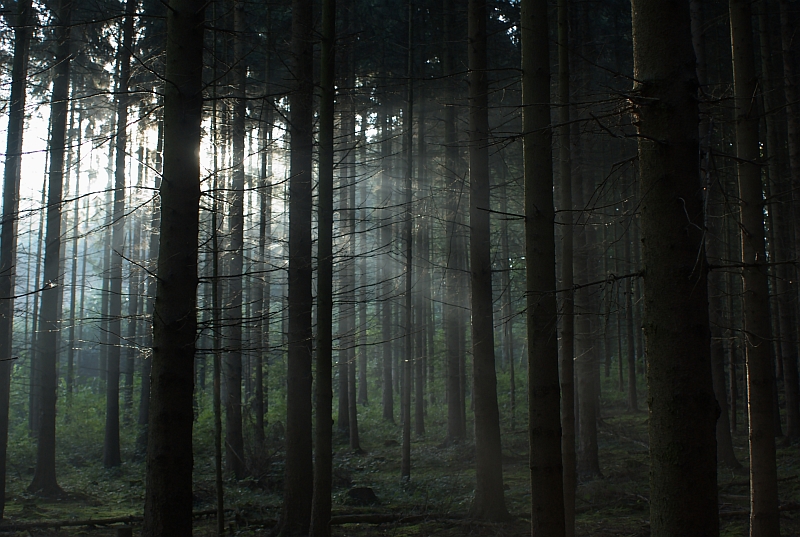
(73, 318)
(489, 500)
(566, 359)
(234, 441)
(683, 498)
(544, 429)
(408, 226)
(454, 187)
(386, 286)
(8, 225)
(299, 476)
(764, 517)
(168, 499)
(323, 448)
(152, 256)
(44, 478)
(111, 448)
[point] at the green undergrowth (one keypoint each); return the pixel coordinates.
(438, 495)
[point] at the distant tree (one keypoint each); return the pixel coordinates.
(111, 448)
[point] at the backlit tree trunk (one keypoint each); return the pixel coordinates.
(44, 478)
(168, 498)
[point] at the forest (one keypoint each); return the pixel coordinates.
(399, 267)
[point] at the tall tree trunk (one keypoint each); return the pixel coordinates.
(8, 225)
(683, 484)
(567, 358)
(633, 403)
(111, 448)
(44, 478)
(323, 448)
(408, 226)
(168, 498)
(454, 186)
(298, 481)
(152, 257)
(489, 502)
(764, 518)
(385, 238)
(73, 318)
(234, 440)
(544, 428)
(783, 213)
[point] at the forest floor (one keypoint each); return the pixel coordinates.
(435, 501)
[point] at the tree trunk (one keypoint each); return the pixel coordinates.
(73, 319)
(454, 186)
(168, 498)
(323, 448)
(489, 502)
(683, 485)
(44, 478)
(764, 518)
(111, 448)
(544, 429)
(152, 256)
(386, 287)
(408, 226)
(299, 477)
(234, 441)
(8, 225)
(567, 357)
(633, 403)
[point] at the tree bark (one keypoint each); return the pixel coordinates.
(454, 185)
(44, 478)
(408, 226)
(544, 429)
(323, 448)
(111, 448)
(567, 357)
(489, 502)
(234, 440)
(9, 223)
(683, 498)
(168, 497)
(764, 518)
(298, 480)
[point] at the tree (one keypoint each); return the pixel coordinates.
(764, 516)
(111, 454)
(567, 357)
(489, 500)
(9, 223)
(544, 427)
(298, 480)
(44, 478)
(323, 454)
(234, 441)
(168, 499)
(683, 489)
